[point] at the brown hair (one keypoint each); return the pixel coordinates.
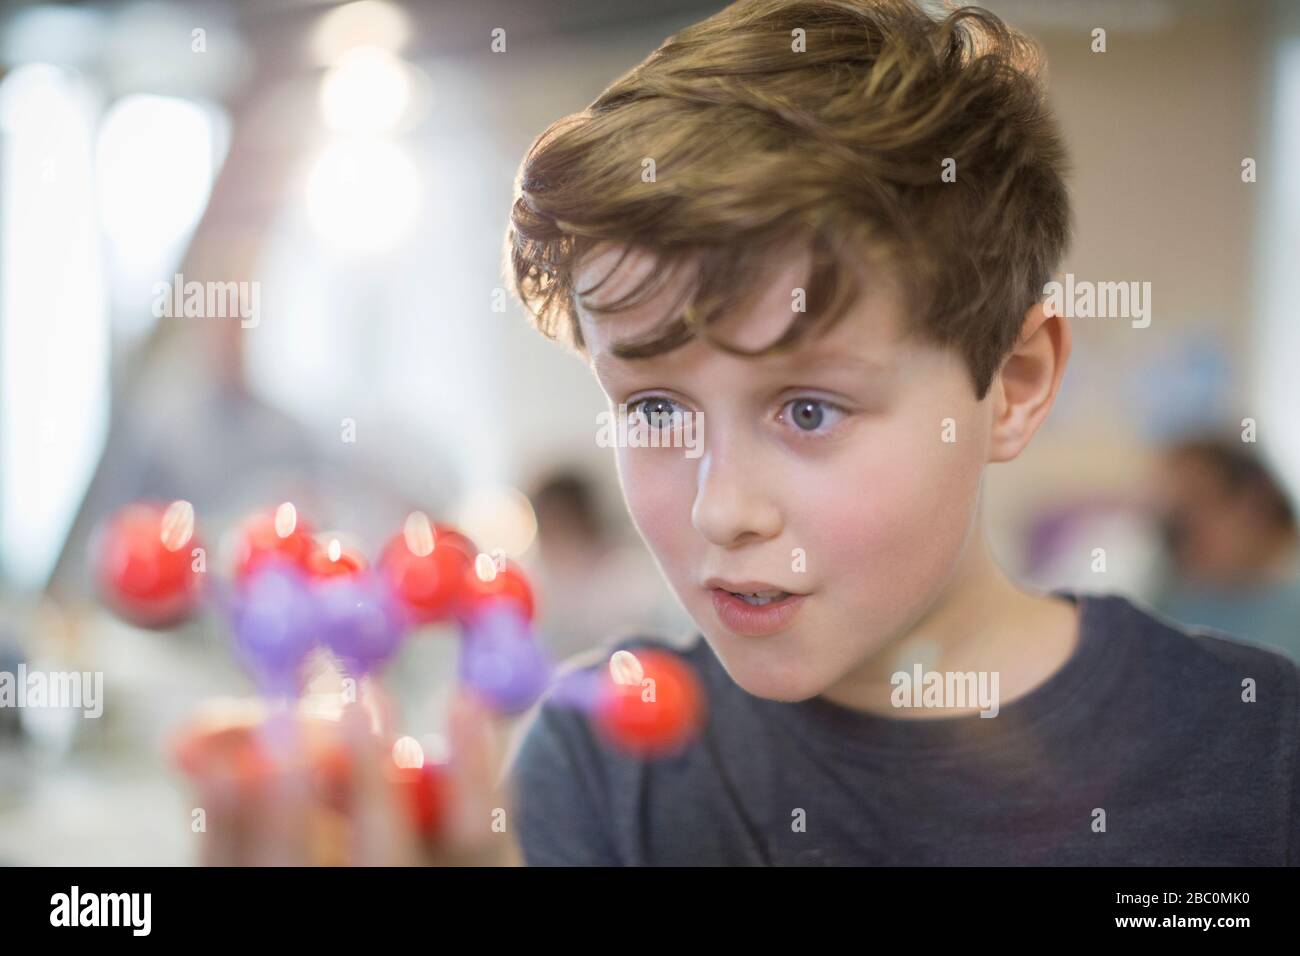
(840, 146)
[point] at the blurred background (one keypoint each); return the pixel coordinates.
(352, 163)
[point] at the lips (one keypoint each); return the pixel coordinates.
(753, 608)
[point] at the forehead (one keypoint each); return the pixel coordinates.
(872, 323)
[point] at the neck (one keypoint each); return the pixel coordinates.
(981, 622)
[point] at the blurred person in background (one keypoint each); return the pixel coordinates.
(1233, 548)
(594, 587)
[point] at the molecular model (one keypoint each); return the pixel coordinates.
(290, 592)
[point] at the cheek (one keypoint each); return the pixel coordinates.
(659, 489)
(899, 511)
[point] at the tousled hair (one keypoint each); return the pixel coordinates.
(839, 148)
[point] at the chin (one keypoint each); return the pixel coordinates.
(765, 675)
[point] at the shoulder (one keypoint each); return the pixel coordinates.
(1203, 668)
(1215, 691)
(1199, 653)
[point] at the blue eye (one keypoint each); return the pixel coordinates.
(657, 412)
(810, 414)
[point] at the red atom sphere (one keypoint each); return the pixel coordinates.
(425, 796)
(145, 563)
(422, 792)
(431, 585)
(324, 563)
(651, 727)
(507, 583)
(260, 538)
(446, 534)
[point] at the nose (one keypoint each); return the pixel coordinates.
(731, 506)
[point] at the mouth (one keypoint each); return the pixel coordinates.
(753, 608)
(760, 598)
(748, 588)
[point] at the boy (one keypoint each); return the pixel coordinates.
(823, 227)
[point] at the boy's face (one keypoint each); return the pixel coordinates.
(833, 451)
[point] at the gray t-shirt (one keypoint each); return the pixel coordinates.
(1140, 750)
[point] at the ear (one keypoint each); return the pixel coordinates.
(1025, 387)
